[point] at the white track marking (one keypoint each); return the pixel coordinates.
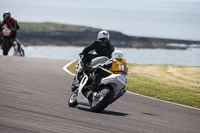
(162, 100)
(66, 70)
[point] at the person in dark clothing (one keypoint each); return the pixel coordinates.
(101, 46)
(1, 35)
(13, 25)
(1, 27)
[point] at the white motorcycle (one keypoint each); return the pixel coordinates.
(110, 89)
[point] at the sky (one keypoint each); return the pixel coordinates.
(177, 19)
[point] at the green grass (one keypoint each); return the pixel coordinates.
(179, 84)
(175, 83)
(156, 89)
(72, 67)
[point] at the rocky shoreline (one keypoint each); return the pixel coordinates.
(39, 34)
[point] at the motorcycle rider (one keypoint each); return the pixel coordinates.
(102, 47)
(116, 65)
(13, 25)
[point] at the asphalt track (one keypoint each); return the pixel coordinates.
(34, 94)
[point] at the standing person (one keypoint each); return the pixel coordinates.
(102, 47)
(13, 25)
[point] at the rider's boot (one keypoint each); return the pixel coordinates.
(92, 87)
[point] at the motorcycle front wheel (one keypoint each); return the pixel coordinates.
(73, 99)
(102, 100)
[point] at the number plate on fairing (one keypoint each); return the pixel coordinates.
(6, 32)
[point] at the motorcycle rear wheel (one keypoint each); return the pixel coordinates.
(6, 46)
(100, 103)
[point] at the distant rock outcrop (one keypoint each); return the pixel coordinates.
(70, 35)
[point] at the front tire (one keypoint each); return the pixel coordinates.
(73, 99)
(100, 103)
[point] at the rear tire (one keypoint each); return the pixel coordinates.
(100, 104)
(5, 46)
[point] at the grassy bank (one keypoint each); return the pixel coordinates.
(179, 84)
(53, 26)
(49, 33)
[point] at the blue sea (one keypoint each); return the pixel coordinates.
(176, 19)
(188, 57)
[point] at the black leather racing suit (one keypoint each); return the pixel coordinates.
(103, 47)
(12, 24)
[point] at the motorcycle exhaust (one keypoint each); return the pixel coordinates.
(121, 93)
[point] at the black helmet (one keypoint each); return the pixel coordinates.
(6, 14)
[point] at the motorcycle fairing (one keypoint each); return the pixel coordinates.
(6, 32)
(117, 81)
(81, 99)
